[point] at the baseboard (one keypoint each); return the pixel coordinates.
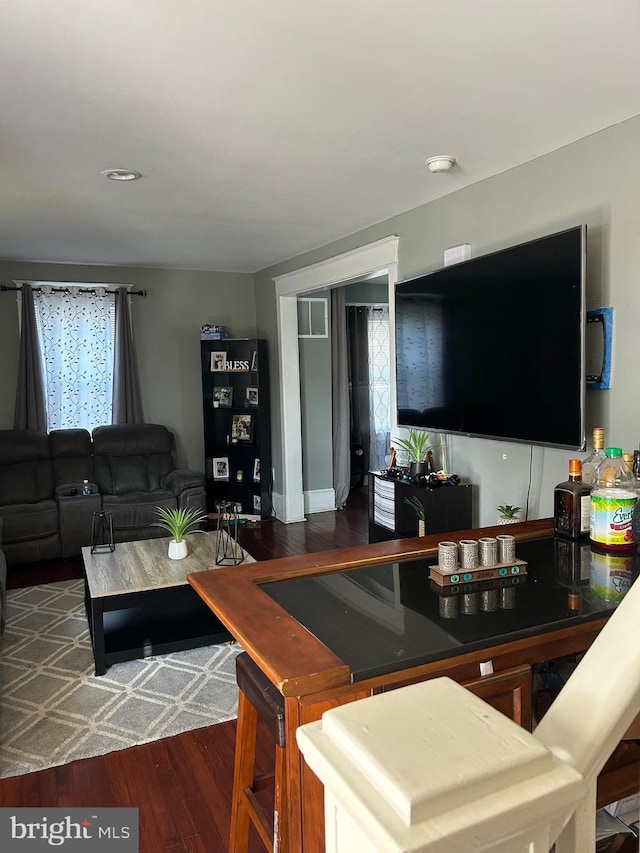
(319, 500)
(279, 509)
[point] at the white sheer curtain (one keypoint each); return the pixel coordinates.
(77, 342)
(379, 385)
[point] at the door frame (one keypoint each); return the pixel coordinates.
(366, 261)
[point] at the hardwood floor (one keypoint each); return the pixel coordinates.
(181, 785)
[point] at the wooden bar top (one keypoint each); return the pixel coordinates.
(290, 655)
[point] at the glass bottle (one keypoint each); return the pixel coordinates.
(86, 488)
(572, 503)
(596, 456)
(613, 498)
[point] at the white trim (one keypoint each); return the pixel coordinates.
(319, 500)
(358, 263)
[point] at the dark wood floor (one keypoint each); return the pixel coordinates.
(181, 785)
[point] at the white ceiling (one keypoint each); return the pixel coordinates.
(265, 128)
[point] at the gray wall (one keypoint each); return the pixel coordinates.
(593, 181)
(166, 326)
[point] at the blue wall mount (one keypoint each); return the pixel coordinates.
(602, 318)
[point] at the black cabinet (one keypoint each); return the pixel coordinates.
(237, 431)
(390, 517)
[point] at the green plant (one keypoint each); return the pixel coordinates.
(416, 506)
(416, 446)
(508, 511)
(178, 522)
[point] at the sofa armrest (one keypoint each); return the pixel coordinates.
(72, 490)
(75, 513)
(181, 480)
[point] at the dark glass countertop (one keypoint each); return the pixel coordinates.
(391, 616)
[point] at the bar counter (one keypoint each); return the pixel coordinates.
(334, 626)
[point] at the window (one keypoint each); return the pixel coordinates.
(76, 326)
(313, 317)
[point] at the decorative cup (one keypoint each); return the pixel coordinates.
(469, 553)
(488, 548)
(447, 555)
(506, 547)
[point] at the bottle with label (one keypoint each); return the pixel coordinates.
(572, 504)
(596, 456)
(613, 498)
(86, 488)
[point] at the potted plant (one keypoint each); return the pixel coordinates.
(416, 447)
(508, 514)
(179, 522)
(417, 507)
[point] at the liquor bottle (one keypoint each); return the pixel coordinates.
(596, 456)
(572, 503)
(613, 498)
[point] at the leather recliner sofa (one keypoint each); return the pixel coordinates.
(131, 470)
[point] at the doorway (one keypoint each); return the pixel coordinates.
(356, 265)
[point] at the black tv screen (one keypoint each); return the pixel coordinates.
(493, 347)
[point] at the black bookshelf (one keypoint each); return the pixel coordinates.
(237, 428)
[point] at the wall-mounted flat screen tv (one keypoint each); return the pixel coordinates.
(493, 347)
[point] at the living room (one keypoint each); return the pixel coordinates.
(588, 174)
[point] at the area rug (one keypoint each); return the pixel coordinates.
(53, 709)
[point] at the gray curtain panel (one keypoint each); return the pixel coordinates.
(340, 399)
(31, 408)
(127, 400)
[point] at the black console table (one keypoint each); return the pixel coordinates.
(446, 508)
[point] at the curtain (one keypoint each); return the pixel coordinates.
(369, 382)
(76, 335)
(127, 399)
(379, 386)
(31, 408)
(340, 399)
(358, 346)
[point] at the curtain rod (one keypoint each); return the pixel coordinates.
(6, 287)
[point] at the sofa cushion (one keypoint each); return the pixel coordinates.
(137, 509)
(26, 472)
(71, 455)
(132, 457)
(22, 522)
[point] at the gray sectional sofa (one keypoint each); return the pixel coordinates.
(131, 469)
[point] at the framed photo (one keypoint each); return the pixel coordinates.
(254, 360)
(256, 470)
(220, 468)
(223, 396)
(257, 504)
(218, 360)
(242, 428)
(251, 396)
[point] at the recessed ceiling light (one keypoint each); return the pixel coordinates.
(121, 174)
(442, 163)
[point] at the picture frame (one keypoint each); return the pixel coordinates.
(218, 361)
(220, 467)
(254, 360)
(251, 395)
(256, 470)
(223, 396)
(242, 428)
(257, 504)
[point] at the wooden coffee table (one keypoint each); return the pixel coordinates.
(139, 602)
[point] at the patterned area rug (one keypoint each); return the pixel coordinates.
(53, 709)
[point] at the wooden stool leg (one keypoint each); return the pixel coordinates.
(243, 772)
(280, 803)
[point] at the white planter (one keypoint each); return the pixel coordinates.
(502, 519)
(178, 550)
